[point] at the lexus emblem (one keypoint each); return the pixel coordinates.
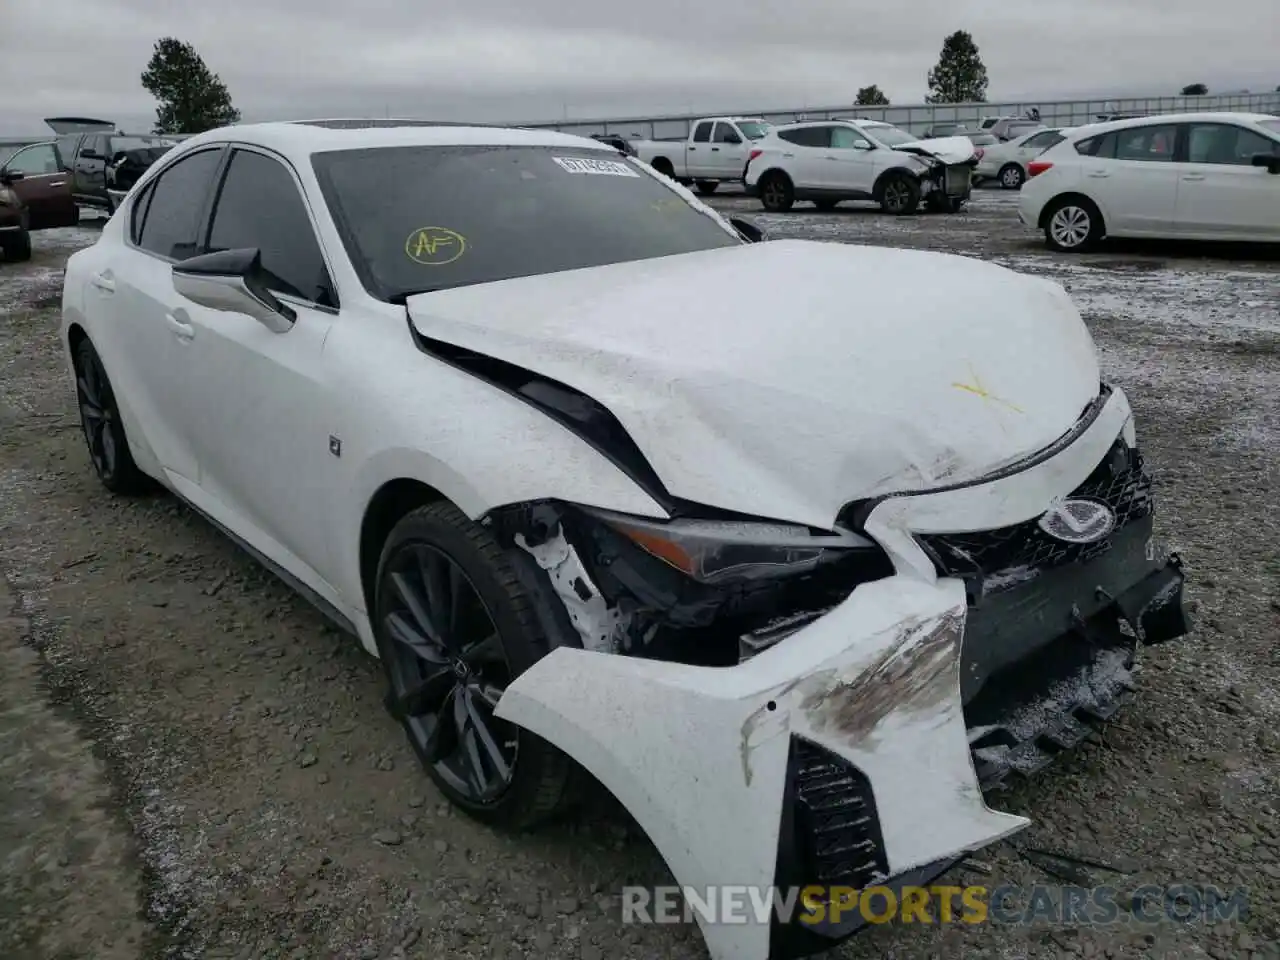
(1078, 521)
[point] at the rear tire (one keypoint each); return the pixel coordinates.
(707, 187)
(1012, 177)
(899, 195)
(663, 166)
(104, 428)
(777, 193)
(1072, 225)
(18, 250)
(459, 575)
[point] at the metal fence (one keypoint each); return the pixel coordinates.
(917, 118)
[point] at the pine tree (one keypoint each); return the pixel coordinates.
(871, 96)
(960, 76)
(192, 98)
(1195, 90)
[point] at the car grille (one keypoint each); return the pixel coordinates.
(837, 825)
(1120, 481)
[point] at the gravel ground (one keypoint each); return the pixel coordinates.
(193, 764)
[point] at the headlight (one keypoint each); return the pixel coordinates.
(715, 551)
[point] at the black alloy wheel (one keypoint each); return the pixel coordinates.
(454, 629)
(103, 427)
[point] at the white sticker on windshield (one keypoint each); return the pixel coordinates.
(608, 168)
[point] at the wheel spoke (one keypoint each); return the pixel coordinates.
(91, 411)
(480, 725)
(488, 650)
(403, 632)
(417, 608)
(427, 697)
(436, 573)
(467, 736)
(443, 739)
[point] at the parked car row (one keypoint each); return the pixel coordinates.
(44, 185)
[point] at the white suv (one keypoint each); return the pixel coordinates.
(833, 160)
(1194, 176)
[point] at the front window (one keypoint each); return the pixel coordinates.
(890, 136)
(753, 129)
(416, 219)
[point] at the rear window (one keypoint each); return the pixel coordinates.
(417, 219)
(1272, 125)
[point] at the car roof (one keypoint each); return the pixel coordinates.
(1157, 119)
(301, 138)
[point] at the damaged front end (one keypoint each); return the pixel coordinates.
(783, 707)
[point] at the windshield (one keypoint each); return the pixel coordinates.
(890, 136)
(416, 219)
(753, 129)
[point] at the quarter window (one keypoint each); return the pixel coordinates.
(174, 205)
(1227, 143)
(259, 207)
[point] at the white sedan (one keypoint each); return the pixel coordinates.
(1194, 176)
(1006, 162)
(794, 568)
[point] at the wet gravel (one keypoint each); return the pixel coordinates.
(193, 764)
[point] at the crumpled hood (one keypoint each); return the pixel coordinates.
(787, 378)
(946, 149)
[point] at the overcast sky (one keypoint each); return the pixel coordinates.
(545, 59)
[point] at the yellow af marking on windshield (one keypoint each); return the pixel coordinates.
(435, 246)
(978, 390)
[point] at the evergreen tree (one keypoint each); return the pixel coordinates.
(871, 96)
(192, 98)
(960, 76)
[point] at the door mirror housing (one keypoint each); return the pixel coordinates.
(732, 137)
(862, 145)
(750, 232)
(233, 281)
(1269, 160)
(9, 177)
(90, 154)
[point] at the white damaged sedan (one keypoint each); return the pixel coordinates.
(795, 567)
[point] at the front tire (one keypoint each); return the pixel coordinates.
(19, 250)
(707, 187)
(103, 427)
(1072, 225)
(454, 628)
(1012, 177)
(900, 195)
(776, 192)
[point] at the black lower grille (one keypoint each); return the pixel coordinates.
(1120, 481)
(837, 827)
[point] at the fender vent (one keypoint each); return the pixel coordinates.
(833, 833)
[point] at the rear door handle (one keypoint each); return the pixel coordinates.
(104, 282)
(57, 183)
(178, 323)
(829, 157)
(1099, 174)
(715, 149)
(1194, 176)
(789, 156)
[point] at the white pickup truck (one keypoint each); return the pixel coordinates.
(714, 152)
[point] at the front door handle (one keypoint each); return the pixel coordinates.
(1194, 176)
(1099, 174)
(715, 149)
(57, 183)
(181, 327)
(789, 156)
(104, 282)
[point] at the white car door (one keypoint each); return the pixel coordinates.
(697, 151)
(145, 346)
(852, 165)
(267, 467)
(804, 155)
(728, 151)
(1221, 194)
(1134, 180)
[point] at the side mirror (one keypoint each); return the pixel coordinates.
(91, 154)
(233, 281)
(861, 145)
(750, 232)
(10, 177)
(732, 138)
(1269, 160)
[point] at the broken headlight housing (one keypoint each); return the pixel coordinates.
(723, 551)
